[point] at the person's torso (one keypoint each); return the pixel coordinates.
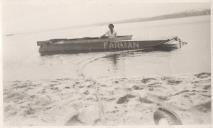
(111, 34)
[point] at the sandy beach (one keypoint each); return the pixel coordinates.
(130, 87)
(120, 101)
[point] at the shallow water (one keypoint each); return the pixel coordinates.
(49, 90)
(23, 62)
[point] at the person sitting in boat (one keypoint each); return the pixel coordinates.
(111, 33)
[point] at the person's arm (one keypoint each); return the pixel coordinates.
(104, 35)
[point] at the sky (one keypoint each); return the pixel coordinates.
(34, 15)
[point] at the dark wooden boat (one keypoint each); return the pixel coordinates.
(84, 40)
(96, 44)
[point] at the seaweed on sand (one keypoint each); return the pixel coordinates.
(124, 99)
(74, 120)
(204, 107)
(203, 75)
(146, 80)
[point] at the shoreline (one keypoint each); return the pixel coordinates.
(120, 101)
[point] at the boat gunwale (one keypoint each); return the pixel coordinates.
(84, 39)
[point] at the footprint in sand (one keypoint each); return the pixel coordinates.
(163, 116)
(74, 120)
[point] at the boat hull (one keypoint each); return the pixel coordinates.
(96, 44)
(47, 49)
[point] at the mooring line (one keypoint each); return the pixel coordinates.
(96, 83)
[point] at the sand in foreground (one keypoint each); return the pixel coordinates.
(122, 101)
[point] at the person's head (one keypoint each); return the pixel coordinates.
(111, 26)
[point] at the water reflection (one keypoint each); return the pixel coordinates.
(114, 58)
(117, 63)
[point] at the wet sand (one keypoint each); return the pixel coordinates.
(120, 101)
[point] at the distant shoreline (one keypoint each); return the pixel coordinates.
(168, 16)
(184, 14)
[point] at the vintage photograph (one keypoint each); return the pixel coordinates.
(104, 63)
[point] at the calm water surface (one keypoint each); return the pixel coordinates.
(23, 62)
